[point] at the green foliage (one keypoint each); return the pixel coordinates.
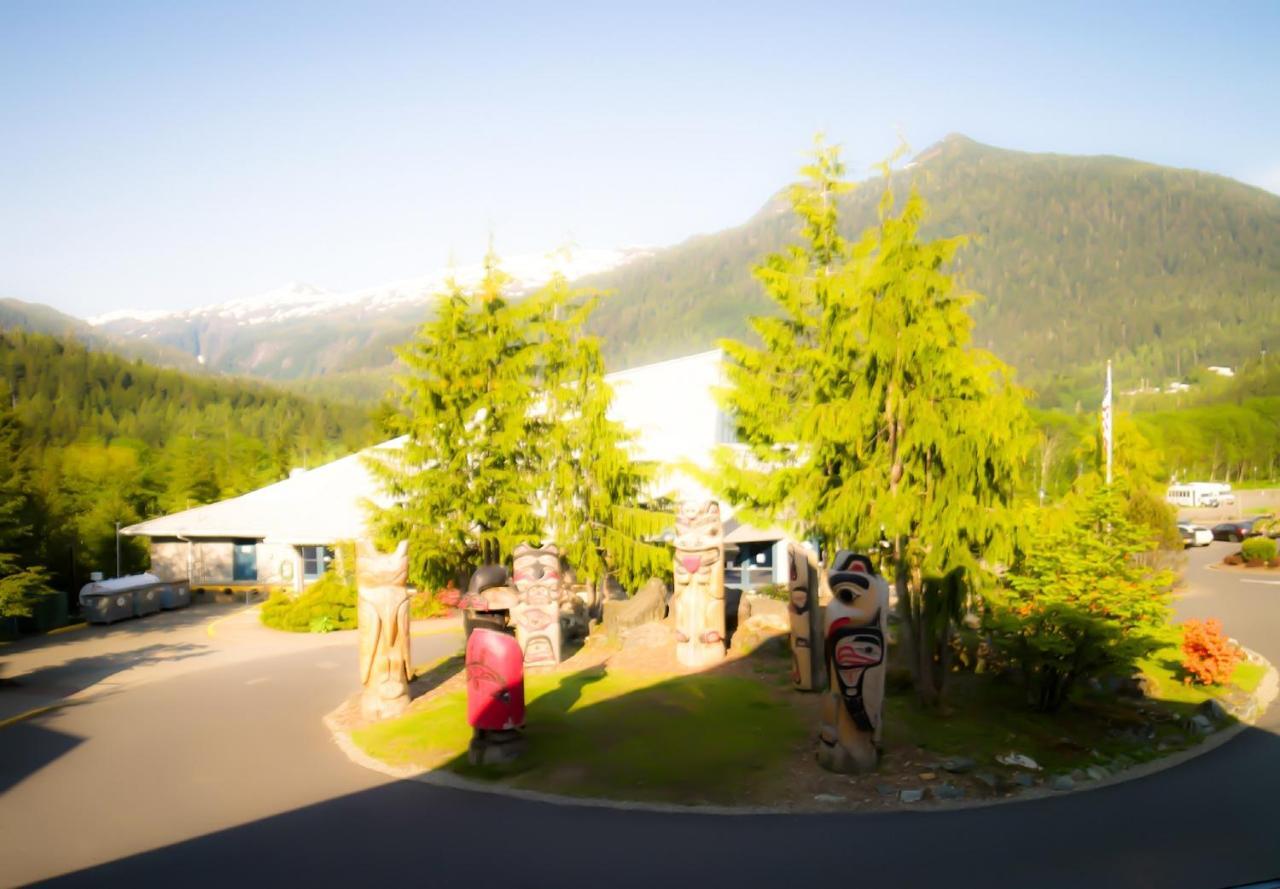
(102, 440)
(505, 409)
(1079, 601)
(328, 604)
(1258, 549)
(23, 583)
(866, 415)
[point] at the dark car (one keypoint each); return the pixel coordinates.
(1236, 531)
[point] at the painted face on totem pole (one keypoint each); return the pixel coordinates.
(376, 569)
(699, 563)
(537, 574)
(855, 642)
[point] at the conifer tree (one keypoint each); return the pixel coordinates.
(591, 486)
(868, 421)
(505, 409)
(22, 583)
(464, 485)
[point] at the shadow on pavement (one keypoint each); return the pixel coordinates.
(163, 621)
(29, 747)
(1196, 826)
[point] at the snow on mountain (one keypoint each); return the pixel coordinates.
(299, 300)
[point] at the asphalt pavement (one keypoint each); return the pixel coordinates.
(222, 774)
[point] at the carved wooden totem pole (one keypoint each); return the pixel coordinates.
(383, 614)
(536, 613)
(699, 584)
(854, 628)
(808, 665)
(495, 697)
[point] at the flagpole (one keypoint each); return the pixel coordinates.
(1107, 421)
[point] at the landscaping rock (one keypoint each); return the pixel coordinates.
(911, 795)
(927, 776)
(1200, 724)
(1077, 775)
(649, 605)
(886, 790)
(1121, 762)
(1063, 782)
(646, 636)
(1018, 760)
(988, 779)
(1096, 773)
(947, 790)
(958, 765)
(1213, 711)
(829, 798)
(1022, 779)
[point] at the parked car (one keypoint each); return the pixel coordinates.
(1238, 530)
(1194, 535)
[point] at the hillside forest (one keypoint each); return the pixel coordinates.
(89, 439)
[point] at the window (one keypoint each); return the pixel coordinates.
(315, 561)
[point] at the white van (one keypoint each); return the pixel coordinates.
(1193, 494)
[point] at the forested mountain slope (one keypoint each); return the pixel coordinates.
(101, 439)
(1080, 259)
(38, 318)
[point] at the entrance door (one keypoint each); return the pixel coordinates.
(244, 560)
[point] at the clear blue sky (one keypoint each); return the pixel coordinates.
(175, 154)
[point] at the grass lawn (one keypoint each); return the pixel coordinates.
(739, 734)
(603, 732)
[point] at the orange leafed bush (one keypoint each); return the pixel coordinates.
(1208, 657)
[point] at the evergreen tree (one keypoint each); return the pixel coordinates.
(22, 583)
(590, 484)
(867, 419)
(464, 484)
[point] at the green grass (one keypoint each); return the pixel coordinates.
(693, 738)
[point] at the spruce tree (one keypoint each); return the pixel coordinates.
(591, 486)
(464, 484)
(22, 583)
(868, 420)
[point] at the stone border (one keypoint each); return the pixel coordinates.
(1266, 692)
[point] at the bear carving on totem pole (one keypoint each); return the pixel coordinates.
(698, 600)
(383, 620)
(854, 629)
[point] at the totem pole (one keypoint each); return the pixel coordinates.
(495, 697)
(855, 629)
(808, 666)
(383, 620)
(698, 601)
(536, 613)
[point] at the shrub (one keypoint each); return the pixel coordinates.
(1258, 549)
(1209, 658)
(1078, 602)
(327, 604)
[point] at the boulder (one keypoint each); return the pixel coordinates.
(958, 765)
(1063, 782)
(947, 790)
(649, 605)
(650, 635)
(911, 794)
(1213, 710)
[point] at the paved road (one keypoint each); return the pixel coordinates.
(251, 792)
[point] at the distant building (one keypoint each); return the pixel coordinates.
(1221, 371)
(283, 535)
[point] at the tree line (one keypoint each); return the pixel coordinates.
(89, 439)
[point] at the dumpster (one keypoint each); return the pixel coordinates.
(107, 601)
(146, 599)
(175, 594)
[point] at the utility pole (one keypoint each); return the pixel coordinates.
(1106, 421)
(118, 539)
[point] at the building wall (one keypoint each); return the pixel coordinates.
(211, 562)
(671, 408)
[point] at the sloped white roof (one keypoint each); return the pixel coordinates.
(321, 505)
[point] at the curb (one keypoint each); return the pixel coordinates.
(1266, 692)
(32, 714)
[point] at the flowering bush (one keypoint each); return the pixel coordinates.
(1208, 658)
(1079, 601)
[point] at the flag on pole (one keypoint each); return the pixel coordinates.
(1106, 421)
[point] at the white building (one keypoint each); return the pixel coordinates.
(283, 535)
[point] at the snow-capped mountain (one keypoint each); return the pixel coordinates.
(303, 331)
(299, 299)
